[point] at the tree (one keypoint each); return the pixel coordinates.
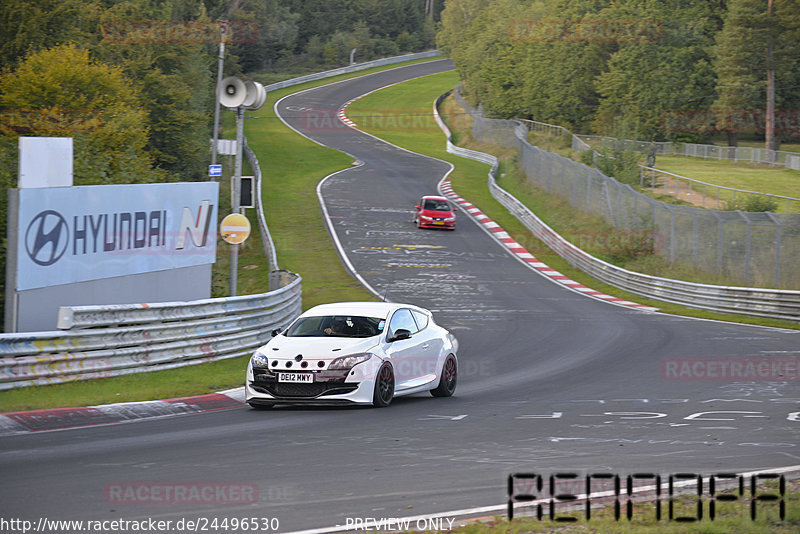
(656, 72)
(29, 25)
(102, 108)
(174, 75)
(739, 61)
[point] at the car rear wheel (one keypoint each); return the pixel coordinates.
(384, 386)
(448, 380)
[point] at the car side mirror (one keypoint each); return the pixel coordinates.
(276, 332)
(455, 208)
(400, 334)
(417, 206)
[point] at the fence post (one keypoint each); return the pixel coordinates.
(671, 234)
(694, 240)
(777, 222)
(746, 245)
(720, 231)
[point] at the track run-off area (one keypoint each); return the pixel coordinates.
(550, 381)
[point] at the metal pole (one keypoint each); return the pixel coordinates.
(236, 181)
(222, 31)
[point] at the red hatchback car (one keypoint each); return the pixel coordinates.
(435, 212)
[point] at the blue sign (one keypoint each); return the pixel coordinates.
(215, 170)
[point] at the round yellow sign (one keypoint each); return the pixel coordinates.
(234, 228)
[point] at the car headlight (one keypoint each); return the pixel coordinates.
(259, 361)
(450, 219)
(349, 361)
(425, 217)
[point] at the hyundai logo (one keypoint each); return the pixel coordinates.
(47, 238)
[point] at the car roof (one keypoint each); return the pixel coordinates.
(434, 197)
(365, 309)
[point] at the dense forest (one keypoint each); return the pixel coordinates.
(649, 69)
(132, 81)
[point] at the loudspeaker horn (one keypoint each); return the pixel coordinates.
(256, 95)
(232, 92)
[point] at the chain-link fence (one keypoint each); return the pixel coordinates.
(742, 154)
(758, 249)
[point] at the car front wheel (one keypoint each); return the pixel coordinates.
(384, 386)
(447, 382)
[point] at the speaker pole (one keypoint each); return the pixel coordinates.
(223, 28)
(236, 180)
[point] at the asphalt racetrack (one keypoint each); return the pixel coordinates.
(550, 381)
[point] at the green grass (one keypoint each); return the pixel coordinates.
(469, 180)
(292, 166)
(758, 178)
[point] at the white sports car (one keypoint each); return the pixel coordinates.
(354, 353)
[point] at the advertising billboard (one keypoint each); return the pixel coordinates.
(75, 234)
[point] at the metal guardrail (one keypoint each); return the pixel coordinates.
(772, 303)
(352, 68)
(106, 341)
(266, 237)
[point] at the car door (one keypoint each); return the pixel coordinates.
(431, 341)
(408, 355)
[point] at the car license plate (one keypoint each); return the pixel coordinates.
(438, 222)
(296, 378)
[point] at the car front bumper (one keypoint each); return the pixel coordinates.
(328, 388)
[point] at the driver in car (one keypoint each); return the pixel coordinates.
(338, 328)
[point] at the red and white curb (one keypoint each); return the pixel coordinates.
(63, 418)
(342, 115)
(515, 248)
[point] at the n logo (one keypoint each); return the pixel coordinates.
(196, 226)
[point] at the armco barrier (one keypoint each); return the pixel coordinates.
(103, 341)
(351, 68)
(266, 237)
(772, 303)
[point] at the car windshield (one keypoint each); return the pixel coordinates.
(336, 326)
(437, 205)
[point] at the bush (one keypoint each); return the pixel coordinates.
(752, 203)
(620, 164)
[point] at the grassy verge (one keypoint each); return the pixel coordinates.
(414, 99)
(760, 178)
(292, 166)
